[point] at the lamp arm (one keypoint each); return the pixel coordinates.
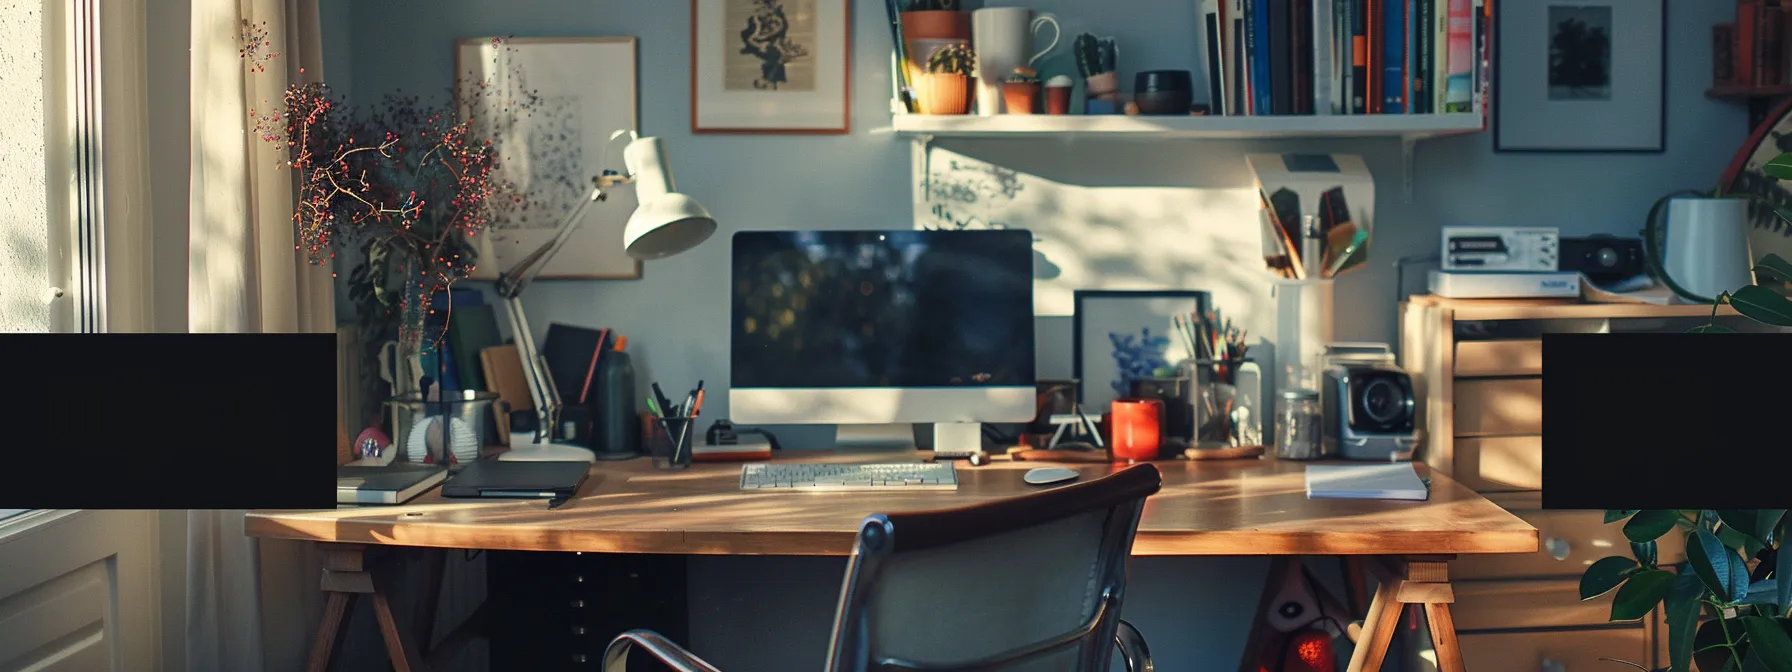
(535, 372)
(512, 281)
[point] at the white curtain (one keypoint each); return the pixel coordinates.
(245, 276)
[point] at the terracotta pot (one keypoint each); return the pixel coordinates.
(1057, 100)
(1105, 86)
(942, 93)
(1020, 97)
(936, 24)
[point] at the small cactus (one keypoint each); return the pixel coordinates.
(1095, 55)
(1023, 75)
(957, 59)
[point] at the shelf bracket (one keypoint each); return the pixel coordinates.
(923, 161)
(1408, 143)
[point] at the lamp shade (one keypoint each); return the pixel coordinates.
(665, 222)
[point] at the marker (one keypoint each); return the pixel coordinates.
(698, 407)
(654, 408)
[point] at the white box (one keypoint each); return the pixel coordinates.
(1505, 285)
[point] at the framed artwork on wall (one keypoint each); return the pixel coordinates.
(771, 66)
(1118, 336)
(1581, 76)
(557, 103)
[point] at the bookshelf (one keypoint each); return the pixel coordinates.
(1409, 127)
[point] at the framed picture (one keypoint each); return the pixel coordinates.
(771, 66)
(1119, 336)
(1564, 82)
(550, 106)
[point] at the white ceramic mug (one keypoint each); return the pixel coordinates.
(1707, 250)
(1003, 38)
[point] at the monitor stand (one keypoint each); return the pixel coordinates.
(951, 440)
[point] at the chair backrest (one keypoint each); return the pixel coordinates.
(1030, 583)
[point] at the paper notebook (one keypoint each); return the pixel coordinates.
(390, 484)
(1368, 481)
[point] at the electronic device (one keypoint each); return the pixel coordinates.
(1500, 248)
(849, 477)
(1368, 411)
(497, 479)
(1049, 475)
(1604, 259)
(1504, 285)
(874, 331)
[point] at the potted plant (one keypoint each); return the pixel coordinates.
(1020, 91)
(946, 86)
(1727, 606)
(1095, 57)
(935, 19)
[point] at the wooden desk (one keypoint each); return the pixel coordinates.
(1245, 507)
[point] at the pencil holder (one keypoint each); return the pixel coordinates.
(670, 445)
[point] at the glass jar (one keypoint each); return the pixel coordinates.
(1298, 426)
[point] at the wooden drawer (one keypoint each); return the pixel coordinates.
(1558, 651)
(1499, 407)
(1582, 536)
(1500, 463)
(1505, 605)
(1499, 358)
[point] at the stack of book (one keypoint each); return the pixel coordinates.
(1348, 56)
(1752, 51)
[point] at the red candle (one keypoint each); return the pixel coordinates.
(1135, 428)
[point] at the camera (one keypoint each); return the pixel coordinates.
(1369, 411)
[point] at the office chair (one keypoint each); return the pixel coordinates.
(1031, 583)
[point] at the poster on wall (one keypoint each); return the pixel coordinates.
(771, 66)
(1566, 83)
(557, 103)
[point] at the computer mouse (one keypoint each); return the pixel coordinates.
(1049, 475)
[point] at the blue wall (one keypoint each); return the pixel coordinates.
(774, 613)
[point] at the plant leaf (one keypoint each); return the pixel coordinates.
(1780, 167)
(1762, 305)
(1782, 569)
(1605, 575)
(1644, 553)
(1615, 515)
(1716, 565)
(1734, 538)
(1775, 265)
(1768, 640)
(1639, 595)
(1758, 524)
(1650, 525)
(1762, 592)
(1711, 329)
(1682, 607)
(1709, 650)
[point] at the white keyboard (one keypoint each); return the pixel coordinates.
(848, 477)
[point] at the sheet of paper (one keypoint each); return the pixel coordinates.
(1656, 294)
(1368, 481)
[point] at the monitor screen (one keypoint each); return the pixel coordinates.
(890, 309)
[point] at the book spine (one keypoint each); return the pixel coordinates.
(1460, 54)
(1300, 54)
(1216, 62)
(1279, 53)
(1484, 38)
(1376, 55)
(1419, 70)
(1325, 71)
(1393, 74)
(1773, 52)
(1440, 53)
(1239, 81)
(1723, 54)
(1259, 56)
(1746, 33)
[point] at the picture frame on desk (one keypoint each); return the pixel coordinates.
(1580, 78)
(552, 120)
(780, 67)
(1138, 321)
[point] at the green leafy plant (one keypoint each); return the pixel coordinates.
(957, 59)
(932, 6)
(1727, 606)
(1095, 55)
(1023, 75)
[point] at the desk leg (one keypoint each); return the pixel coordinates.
(349, 574)
(1408, 581)
(335, 623)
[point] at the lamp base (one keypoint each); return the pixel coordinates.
(526, 450)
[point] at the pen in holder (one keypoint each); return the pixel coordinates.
(671, 443)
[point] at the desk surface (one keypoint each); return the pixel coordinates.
(1233, 507)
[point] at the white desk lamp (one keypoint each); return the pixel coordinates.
(664, 223)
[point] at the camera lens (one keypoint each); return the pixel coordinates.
(1608, 257)
(1381, 401)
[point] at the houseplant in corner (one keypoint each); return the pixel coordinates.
(1727, 606)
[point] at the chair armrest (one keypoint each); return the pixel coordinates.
(1132, 648)
(675, 657)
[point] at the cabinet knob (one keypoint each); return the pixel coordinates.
(1558, 549)
(1552, 665)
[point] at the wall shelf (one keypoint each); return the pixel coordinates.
(1118, 127)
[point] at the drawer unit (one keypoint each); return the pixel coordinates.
(1498, 407)
(1499, 358)
(1500, 463)
(1557, 651)
(1508, 605)
(1569, 541)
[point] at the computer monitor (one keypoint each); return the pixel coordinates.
(884, 328)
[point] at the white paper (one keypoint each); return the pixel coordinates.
(1657, 294)
(1369, 481)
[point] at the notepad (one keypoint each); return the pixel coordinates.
(390, 484)
(1368, 481)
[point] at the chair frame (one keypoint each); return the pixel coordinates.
(884, 535)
